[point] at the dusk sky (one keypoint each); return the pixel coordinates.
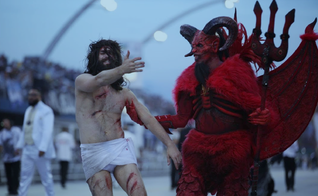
(28, 27)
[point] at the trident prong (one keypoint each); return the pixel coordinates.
(258, 12)
(270, 32)
(267, 50)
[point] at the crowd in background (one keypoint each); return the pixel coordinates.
(56, 82)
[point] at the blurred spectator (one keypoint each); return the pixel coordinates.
(3, 65)
(313, 160)
(36, 144)
(290, 165)
(65, 144)
(304, 159)
(178, 137)
(183, 136)
(9, 136)
(13, 87)
(150, 141)
(174, 174)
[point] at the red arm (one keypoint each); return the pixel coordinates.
(184, 113)
(131, 111)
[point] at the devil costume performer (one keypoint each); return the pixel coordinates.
(221, 143)
(218, 153)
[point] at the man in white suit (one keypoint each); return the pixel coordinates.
(36, 144)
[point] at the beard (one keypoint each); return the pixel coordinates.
(202, 72)
(101, 67)
(33, 102)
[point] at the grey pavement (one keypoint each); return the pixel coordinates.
(306, 183)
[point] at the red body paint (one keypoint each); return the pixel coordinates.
(133, 188)
(129, 178)
(101, 96)
(108, 182)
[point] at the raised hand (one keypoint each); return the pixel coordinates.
(132, 65)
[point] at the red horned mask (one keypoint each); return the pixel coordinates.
(203, 45)
(203, 41)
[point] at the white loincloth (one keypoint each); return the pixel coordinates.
(96, 156)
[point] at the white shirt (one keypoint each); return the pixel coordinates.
(8, 140)
(65, 144)
(292, 150)
(28, 128)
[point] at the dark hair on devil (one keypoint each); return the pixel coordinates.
(93, 58)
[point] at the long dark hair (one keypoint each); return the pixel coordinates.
(93, 60)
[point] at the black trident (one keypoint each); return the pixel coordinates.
(268, 53)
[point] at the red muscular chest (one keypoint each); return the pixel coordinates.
(215, 115)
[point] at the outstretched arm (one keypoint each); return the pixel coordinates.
(152, 124)
(180, 120)
(184, 114)
(89, 83)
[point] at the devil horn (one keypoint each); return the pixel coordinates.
(188, 32)
(223, 21)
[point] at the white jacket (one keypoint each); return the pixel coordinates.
(42, 132)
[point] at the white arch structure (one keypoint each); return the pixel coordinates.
(58, 36)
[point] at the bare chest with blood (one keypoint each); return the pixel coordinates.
(108, 106)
